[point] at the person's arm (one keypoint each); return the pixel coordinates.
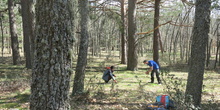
(151, 68)
(112, 77)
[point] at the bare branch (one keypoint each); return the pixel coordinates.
(181, 25)
(188, 3)
(154, 28)
(4, 10)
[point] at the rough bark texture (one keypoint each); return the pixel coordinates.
(123, 38)
(198, 50)
(156, 32)
(2, 33)
(132, 39)
(13, 32)
(53, 55)
(78, 87)
(27, 19)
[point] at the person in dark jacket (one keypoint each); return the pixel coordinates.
(154, 68)
(108, 74)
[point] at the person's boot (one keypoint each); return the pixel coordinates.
(159, 82)
(152, 80)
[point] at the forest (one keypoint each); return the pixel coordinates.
(55, 54)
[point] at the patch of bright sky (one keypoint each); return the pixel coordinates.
(101, 1)
(214, 13)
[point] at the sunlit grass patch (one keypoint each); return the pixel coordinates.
(13, 72)
(16, 100)
(10, 105)
(132, 91)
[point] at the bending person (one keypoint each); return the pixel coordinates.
(108, 74)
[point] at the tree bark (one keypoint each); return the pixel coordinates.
(217, 52)
(208, 52)
(78, 86)
(156, 32)
(2, 33)
(53, 55)
(171, 42)
(123, 38)
(27, 20)
(132, 39)
(198, 50)
(13, 32)
(165, 45)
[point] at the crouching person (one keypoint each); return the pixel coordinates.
(108, 74)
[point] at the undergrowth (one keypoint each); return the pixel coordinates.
(175, 88)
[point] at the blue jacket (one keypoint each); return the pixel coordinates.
(154, 64)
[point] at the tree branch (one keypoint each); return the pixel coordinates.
(4, 10)
(154, 28)
(188, 3)
(180, 25)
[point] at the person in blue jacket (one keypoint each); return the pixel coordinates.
(108, 74)
(154, 68)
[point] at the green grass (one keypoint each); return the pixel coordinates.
(10, 105)
(132, 91)
(15, 100)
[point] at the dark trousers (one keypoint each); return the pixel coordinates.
(157, 75)
(109, 78)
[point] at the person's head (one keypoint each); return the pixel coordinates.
(145, 62)
(112, 67)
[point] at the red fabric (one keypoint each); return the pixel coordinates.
(108, 67)
(163, 100)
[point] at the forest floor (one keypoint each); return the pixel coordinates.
(132, 92)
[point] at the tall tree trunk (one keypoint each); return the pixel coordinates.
(161, 44)
(165, 45)
(123, 38)
(27, 19)
(78, 86)
(198, 50)
(175, 42)
(53, 55)
(208, 51)
(13, 32)
(181, 44)
(132, 39)
(171, 41)
(156, 32)
(218, 46)
(217, 52)
(2, 33)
